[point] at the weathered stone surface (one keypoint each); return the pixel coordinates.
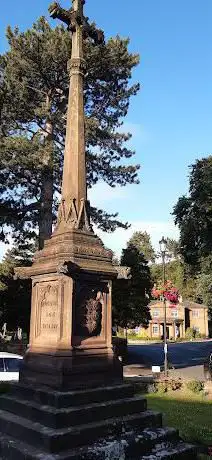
(96, 424)
(61, 418)
(150, 445)
(66, 399)
(57, 440)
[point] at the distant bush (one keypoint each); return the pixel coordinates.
(134, 336)
(175, 384)
(190, 333)
(162, 387)
(200, 336)
(196, 386)
(166, 385)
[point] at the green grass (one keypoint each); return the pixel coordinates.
(204, 457)
(191, 414)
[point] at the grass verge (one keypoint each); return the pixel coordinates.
(190, 413)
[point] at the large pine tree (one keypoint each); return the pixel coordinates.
(33, 103)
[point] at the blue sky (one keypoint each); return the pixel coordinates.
(170, 119)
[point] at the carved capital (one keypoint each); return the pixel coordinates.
(76, 66)
(69, 215)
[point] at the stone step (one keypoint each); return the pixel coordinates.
(66, 417)
(59, 399)
(52, 441)
(129, 445)
(171, 451)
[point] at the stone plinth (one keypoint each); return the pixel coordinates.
(70, 331)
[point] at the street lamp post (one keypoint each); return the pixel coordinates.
(163, 244)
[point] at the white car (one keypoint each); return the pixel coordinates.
(9, 366)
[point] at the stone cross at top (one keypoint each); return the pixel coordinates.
(73, 213)
(73, 17)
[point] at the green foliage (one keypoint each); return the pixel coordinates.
(204, 288)
(190, 333)
(175, 384)
(142, 241)
(193, 214)
(196, 386)
(130, 297)
(173, 248)
(15, 294)
(178, 273)
(204, 283)
(164, 386)
(33, 105)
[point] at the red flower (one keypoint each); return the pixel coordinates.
(169, 292)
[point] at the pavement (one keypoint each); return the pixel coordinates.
(186, 358)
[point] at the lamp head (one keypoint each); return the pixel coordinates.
(163, 244)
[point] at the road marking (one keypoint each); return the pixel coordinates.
(197, 359)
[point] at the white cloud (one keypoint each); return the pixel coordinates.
(102, 193)
(138, 131)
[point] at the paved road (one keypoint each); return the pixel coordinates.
(179, 354)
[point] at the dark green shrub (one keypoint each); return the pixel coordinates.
(196, 386)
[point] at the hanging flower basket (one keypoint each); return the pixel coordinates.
(168, 291)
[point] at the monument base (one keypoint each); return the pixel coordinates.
(94, 424)
(72, 369)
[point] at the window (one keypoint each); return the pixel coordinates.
(1, 365)
(155, 313)
(195, 313)
(12, 364)
(174, 314)
(155, 329)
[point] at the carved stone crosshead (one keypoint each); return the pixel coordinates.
(74, 16)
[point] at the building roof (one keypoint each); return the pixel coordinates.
(185, 303)
(193, 305)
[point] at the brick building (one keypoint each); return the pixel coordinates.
(185, 315)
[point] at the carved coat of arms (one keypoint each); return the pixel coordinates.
(89, 313)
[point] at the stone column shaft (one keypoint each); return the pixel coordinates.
(74, 191)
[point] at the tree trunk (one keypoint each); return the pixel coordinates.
(46, 197)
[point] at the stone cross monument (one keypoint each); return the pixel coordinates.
(70, 330)
(71, 402)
